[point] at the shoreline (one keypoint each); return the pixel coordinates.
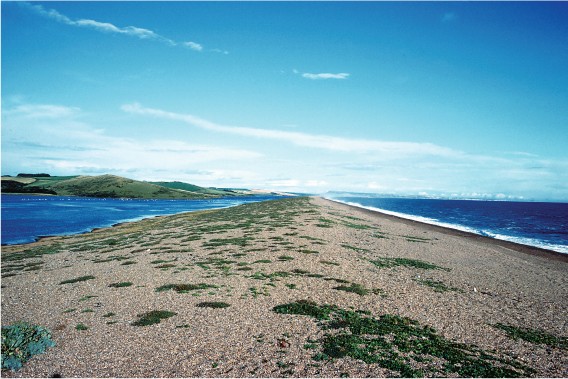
(519, 247)
(39, 238)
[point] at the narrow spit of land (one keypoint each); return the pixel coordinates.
(300, 287)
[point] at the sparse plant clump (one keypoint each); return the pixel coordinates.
(79, 279)
(355, 288)
(183, 288)
(533, 336)
(305, 307)
(398, 344)
(406, 262)
(213, 304)
(120, 285)
(21, 341)
(437, 285)
(152, 317)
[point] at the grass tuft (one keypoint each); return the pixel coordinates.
(213, 304)
(79, 279)
(533, 336)
(405, 262)
(183, 288)
(152, 317)
(399, 344)
(120, 285)
(355, 288)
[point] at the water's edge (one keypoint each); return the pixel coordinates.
(461, 232)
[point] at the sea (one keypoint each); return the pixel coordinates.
(539, 224)
(27, 218)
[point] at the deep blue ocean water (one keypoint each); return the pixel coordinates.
(543, 225)
(25, 218)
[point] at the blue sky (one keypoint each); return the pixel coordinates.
(461, 99)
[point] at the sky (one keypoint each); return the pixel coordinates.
(451, 99)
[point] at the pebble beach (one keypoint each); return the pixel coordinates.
(299, 287)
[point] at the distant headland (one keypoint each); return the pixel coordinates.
(111, 186)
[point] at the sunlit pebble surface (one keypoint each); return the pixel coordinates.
(244, 340)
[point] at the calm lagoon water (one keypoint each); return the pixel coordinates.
(25, 218)
(539, 224)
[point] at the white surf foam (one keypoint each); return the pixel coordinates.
(520, 240)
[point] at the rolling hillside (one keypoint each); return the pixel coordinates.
(108, 186)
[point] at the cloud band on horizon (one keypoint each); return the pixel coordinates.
(301, 139)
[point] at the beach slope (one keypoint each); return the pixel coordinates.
(299, 287)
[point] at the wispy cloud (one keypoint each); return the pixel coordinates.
(193, 45)
(55, 137)
(325, 75)
(299, 138)
(106, 27)
(42, 111)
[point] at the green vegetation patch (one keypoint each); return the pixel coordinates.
(213, 304)
(81, 326)
(152, 317)
(239, 241)
(284, 258)
(120, 284)
(406, 262)
(533, 336)
(416, 239)
(354, 288)
(184, 288)
(437, 285)
(331, 263)
(398, 344)
(21, 341)
(306, 308)
(307, 251)
(79, 279)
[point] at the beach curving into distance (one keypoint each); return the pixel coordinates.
(298, 287)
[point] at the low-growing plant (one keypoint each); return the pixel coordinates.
(79, 279)
(152, 317)
(355, 288)
(120, 284)
(533, 336)
(398, 344)
(213, 304)
(437, 285)
(87, 297)
(331, 263)
(81, 326)
(183, 288)
(284, 258)
(406, 262)
(21, 341)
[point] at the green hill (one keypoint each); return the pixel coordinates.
(107, 186)
(196, 189)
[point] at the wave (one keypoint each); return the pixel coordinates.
(482, 232)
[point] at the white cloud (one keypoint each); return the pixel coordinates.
(43, 111)
(53, 137)
(193, 45)
(107, 27)
(301, 139)
(325, 75)
(224, 52)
